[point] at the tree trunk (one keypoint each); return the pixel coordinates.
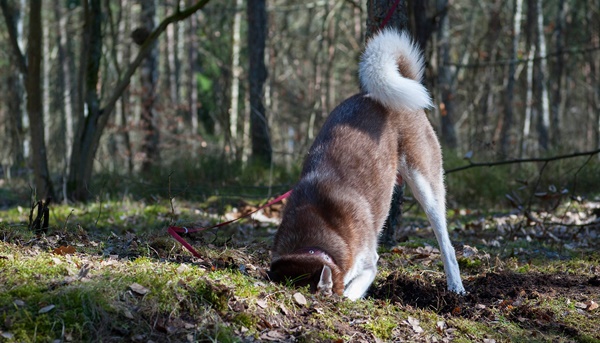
(525, 138)
(420, 22)
(65, 63)
(507, 120)
(257, 37)
(31, 70)
(172, 62)
(91, 127)
(445, 82)
(14, 127)
(488, 103)
(48, 122)
(193, 83)
(14, 93)
(236, 72)
(33, 84)
(379, 14)
(388, 13)
(556, 106)
(84, 147)
(148, 82)
(543, 103)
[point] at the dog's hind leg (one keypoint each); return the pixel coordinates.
(430, 193)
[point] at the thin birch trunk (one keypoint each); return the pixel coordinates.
(172, 62)
(236, 72)
(528, 104)
(46, 83)
(543, 103)
(193, 86)
(557, 85)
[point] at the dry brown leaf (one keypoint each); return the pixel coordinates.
(591, 305)
(46, 309)
(440, 326)
(182, 268)
(64, 250)
(284, 310)
(262, 303)
(139, 289)
(7, 335)
(273, 335)
(414, 323)
(300, 299)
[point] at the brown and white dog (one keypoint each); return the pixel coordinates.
(331, 224)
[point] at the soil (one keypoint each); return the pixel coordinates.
(517, 296)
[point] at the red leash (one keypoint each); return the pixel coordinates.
(176, 230)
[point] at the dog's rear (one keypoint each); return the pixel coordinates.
(331, 224)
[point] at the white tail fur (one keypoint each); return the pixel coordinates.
(386, 54)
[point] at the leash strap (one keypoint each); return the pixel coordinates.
(389, 14)
(174, 231)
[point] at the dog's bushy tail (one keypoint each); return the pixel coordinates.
(390, 71)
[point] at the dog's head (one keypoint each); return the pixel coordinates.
(312, 268)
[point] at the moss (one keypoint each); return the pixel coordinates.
(468, 263)
(245, 319)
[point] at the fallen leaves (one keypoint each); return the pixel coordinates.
(589, 305)
(299, 299)
(273, 335)
(6, 335)
(139, 289)
(46, 309)
(262, 303)
(64, 250)
(414, 324)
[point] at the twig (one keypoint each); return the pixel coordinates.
(67, 220)
(171, 200)
(537, 183)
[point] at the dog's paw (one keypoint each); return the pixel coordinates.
(457, 288)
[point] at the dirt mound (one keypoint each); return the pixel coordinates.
(491, 289)
(513, 295)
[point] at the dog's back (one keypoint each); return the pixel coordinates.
(330, 227)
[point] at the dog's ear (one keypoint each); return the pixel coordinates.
(325, 285)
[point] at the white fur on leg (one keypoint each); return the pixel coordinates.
(435, 208)
(361, 275)
(359, 285)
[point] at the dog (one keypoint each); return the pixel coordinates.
(331, 223)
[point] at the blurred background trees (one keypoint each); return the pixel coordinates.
(119, 91)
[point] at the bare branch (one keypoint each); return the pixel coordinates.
(573, 51)
(524, 160)
(144, 51)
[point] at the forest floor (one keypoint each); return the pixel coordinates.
(108, 272)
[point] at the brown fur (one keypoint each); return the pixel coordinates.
(344, 195)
